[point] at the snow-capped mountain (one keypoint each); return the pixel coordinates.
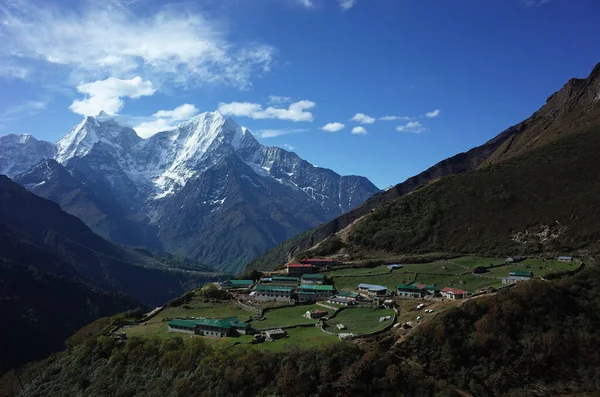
(19, 152)
(206, 189)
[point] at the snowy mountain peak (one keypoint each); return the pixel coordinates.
(82, 138)
(19, 152)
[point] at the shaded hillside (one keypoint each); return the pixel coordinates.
(41, 309)
(571, 109)
(56, 276)
(192, 367)
(537, 339)
(36, 232)
(543, 200)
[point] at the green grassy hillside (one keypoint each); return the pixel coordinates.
(542, 201)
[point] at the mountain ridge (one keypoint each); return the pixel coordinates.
(127, 188)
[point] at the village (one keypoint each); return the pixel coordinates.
(323, 300)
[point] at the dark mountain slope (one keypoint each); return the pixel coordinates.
(572, 109)
(36, 232)
(41, 309)
(56, 276)
(543, 200)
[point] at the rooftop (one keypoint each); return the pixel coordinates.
(454, 291)
(312, 287)
(299, 265)
(313, 276)
(411, 287)
(520, 273)
(183, 323)
(372, 287)
(318, 260)
(239, 282)
(225, 323)
(274, 288)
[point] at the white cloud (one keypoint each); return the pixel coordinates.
(107, 95)
(394, 118)
(363, 118)
(173, 44)
(14, 72)
(288, 147)
(181, 112)
(149, 128)
(272, 133)
(433, 113)
(359, 130)
(26, 108)
(411, 126)
(165, 120)
(279, 100)
(333, 127)
(345, 5)
(297, 111)
(306, 3)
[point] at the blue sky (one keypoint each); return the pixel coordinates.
(447, 75)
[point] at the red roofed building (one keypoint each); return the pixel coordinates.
(319, 261)
(297, 269)
(454, 293)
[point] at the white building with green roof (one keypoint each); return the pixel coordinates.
(218, 327)
(315, 292)
(274, 293)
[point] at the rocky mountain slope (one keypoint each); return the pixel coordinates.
(572, 109)
(206, 189)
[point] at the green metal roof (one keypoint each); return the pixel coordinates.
(183, 323)
(520, 273)
(410, 287)
(274, 288)
(317, 287)
(313, 276)
(224, 323)
(239, 282)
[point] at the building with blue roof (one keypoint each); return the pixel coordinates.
(372, 289)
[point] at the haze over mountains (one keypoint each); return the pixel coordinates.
(205, 190)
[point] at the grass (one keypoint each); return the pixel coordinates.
(539, 267)
(301, 337)
(287, 316)
(471, 262)
(197, 308)
(360, 320)
(468, 282)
